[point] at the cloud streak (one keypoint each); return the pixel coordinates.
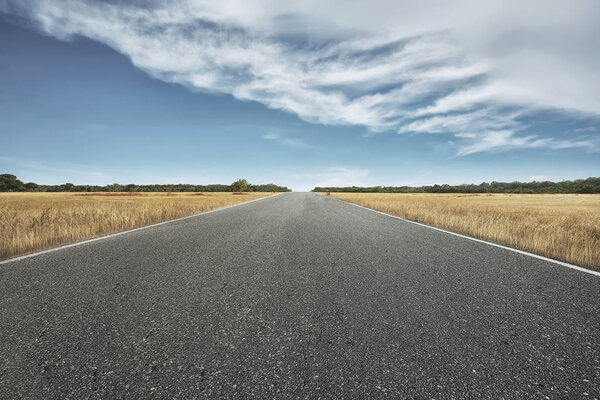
(286, 141)
(471, 79)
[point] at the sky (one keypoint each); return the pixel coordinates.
(299, 93)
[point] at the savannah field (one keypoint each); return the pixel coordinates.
(36, 221)
(564, 227)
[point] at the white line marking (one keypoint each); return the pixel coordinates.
(129, 231)
(564, 264)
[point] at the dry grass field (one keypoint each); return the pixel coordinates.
(35, 221)
(564, 227)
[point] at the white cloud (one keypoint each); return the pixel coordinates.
(585, 129)
(458, 68)
(484, 119)
(506, 140)
(286, 141)
(77, 173)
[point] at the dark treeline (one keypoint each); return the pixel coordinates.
(589, 185)
(10, 183)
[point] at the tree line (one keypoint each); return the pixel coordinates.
(10, 183)
(589, 185)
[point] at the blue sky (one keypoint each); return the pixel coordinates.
(299, 94)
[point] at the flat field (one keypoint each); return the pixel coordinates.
(565, 227)
(35, 221)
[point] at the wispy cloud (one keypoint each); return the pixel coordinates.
(286, 141)
(471, 78)
(587, 129)
(76, 171)
(506, 140)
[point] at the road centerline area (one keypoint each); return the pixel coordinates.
(295, 296)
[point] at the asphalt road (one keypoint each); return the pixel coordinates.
(296, 296)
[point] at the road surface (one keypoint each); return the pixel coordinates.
(296, 296)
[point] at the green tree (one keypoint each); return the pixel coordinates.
(10, 183)
(589, 189)
(241, 185)
(31, 187)
(115, 187)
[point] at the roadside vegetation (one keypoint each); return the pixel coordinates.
(589, 185)
(36, 221)
(10, 183)
(564, 227)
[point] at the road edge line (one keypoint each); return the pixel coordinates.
(95, 239)
(564, 264)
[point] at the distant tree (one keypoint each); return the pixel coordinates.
(32, 187)
(241, 185)
(10, 183)
(589, 189)
(115, 187)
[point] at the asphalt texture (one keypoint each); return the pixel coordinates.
(296, 296)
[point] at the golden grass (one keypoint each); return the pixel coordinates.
(35, 221)
(561, 226)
